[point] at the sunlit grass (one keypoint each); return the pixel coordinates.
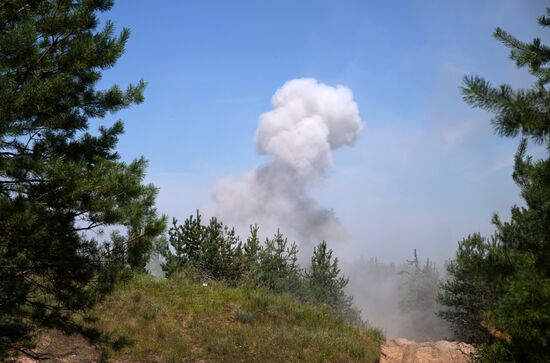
(174, 320)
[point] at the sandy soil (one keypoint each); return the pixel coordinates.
(406, 351)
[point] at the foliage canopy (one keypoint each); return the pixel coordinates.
(217, 251)
(61, 184)
(513, 267)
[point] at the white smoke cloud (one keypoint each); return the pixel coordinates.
(307, 121)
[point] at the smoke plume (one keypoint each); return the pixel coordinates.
(308, 120)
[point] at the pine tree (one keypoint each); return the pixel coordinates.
(518, 263)
(61, 184)
(183, 245)
(220, 253)
(278, 267)
(470, 290)
(215, 249)
(251, 253)
(324, 280)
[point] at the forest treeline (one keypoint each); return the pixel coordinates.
(75, 219)
(218, 252)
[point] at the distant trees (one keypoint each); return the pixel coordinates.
(216, 250)
(508, 276)
(61, 184)
(418, 293)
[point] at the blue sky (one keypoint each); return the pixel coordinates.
(426, 170)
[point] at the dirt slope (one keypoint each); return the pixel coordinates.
(406, 351)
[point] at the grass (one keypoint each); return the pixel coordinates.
(178, 319)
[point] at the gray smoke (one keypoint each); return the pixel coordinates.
(308, 120)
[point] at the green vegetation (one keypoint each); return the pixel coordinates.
(60, 183)
(182, 319)
(217, 251)
(470, 289)
(498, 293)
(213, 248)
(277, 267)
(324, 281)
